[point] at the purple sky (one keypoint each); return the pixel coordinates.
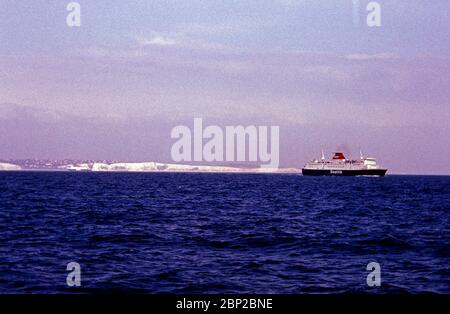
(114, 88)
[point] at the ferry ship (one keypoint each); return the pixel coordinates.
(340, 166)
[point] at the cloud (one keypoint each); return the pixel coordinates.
(176, 39)
(156, 39)
(295, 86)
(220, 35)
(288, 2)
(379, 56)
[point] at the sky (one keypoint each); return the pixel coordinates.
(114, 87)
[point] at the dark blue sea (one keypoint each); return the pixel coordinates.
(223, 233)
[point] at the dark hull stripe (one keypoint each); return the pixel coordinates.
(319, 172)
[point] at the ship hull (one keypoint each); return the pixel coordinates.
(363, 172)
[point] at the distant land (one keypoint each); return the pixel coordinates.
(118, 166)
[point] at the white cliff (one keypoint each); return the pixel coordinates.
(4, 166)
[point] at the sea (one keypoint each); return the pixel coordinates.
(223, 233)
